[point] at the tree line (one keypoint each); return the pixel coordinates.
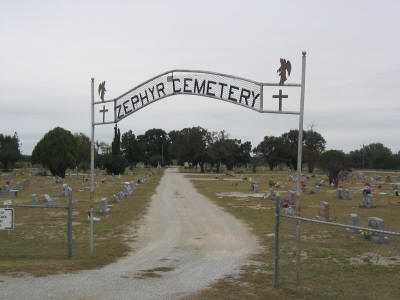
(59, 149)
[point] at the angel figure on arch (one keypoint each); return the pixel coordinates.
(285, 67)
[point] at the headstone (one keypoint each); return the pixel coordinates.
(121, 195)
(303, 185)
(65, 190)
(339, 193)
(34, 199)
(289, 203)
(49, 201)
(376, 223)
(7, 203)
(324, 211)
(128, 188)
(254, 187)
(68, 191)
(346, 194)
(290, 211)
(103, 206)
(317, 189)
(14, 192)
(291, 198)
(368, 201)
(116, 198)
(354, 221)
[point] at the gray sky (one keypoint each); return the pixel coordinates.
(51, 49)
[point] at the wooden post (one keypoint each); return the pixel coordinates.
(91, 231)
(276, 242)
(69, 224)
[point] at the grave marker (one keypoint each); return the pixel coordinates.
(34, 199)
(379, 224)
(324, 211)
(104, 207)
(49, 201)
(354, 221)
(368, 201)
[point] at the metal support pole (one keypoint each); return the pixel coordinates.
(92, 141)
(69, 225)
(276, 242)
(300, 141)
(91, 231)
(299, 165)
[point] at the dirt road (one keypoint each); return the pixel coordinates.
(185, 244)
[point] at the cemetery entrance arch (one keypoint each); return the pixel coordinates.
(236, 90)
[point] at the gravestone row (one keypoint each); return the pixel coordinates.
(128, 188)
(373, 223)
(13, 191)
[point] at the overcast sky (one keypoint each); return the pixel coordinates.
(51, 49)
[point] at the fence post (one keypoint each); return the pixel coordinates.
(276, 242)
(91, 231)
(69, 224)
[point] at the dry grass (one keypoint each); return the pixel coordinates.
(326, 271)
(38, 244)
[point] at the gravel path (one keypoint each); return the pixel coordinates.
(186, 243)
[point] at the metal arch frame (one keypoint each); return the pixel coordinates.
(260, 84)
(261, 110)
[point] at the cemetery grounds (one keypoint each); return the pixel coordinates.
(334, 263)
(38, 245)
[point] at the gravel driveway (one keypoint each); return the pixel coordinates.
(185, 244)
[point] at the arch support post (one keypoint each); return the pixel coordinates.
(92, 141)
(300, 138)
(299, 165)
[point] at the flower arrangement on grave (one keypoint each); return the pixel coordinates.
(365, 234)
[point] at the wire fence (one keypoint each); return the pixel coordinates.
(323, 259)
(36, 233)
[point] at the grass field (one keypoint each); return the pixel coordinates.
(38, 244)
(326, 271)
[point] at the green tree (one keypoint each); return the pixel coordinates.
(116, 143)
(224, 151)
(131, 148)
(288, 151)
(245, 153)
(373, 156)
(155, 143)
(114, 162)
(314, 145)
(334, 162)
(57, 151)
(9, 150)
(377, 156)
(189, 145)
(176, 147)
(83, 151)
(271, 150)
